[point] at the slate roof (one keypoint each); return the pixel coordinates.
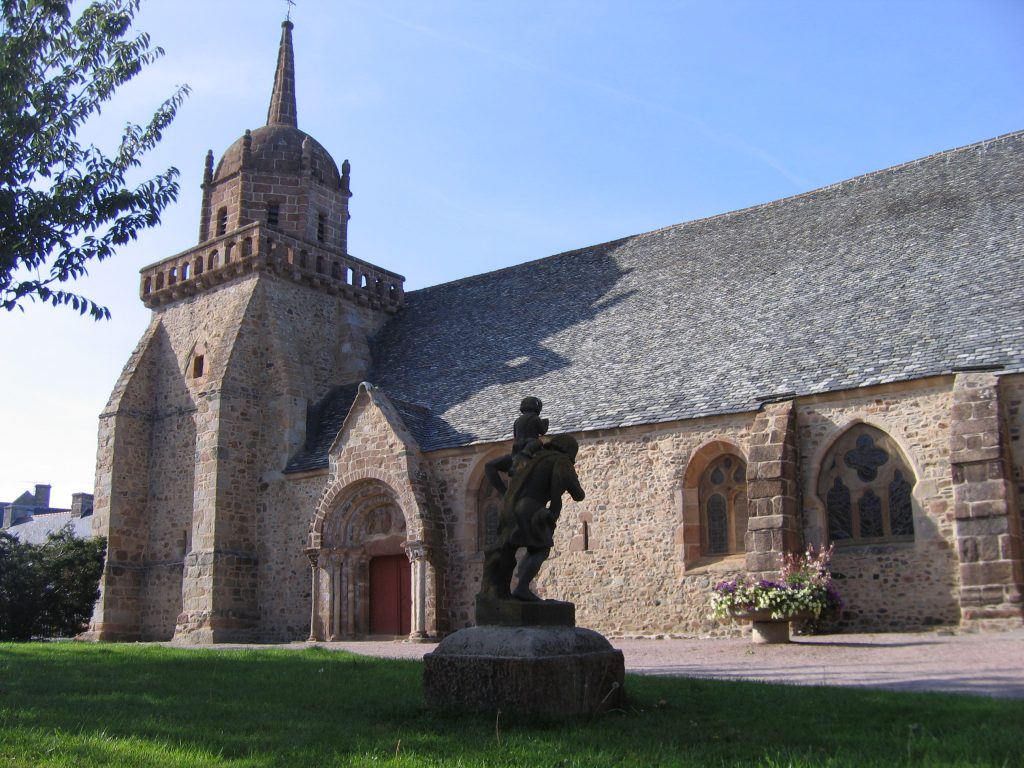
(36, 530)
(326, 419)
(323, 423)
(895, 275)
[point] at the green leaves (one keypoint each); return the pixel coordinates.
(61, 204)
(48, 590)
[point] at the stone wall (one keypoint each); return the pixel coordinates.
(631, 580)
(205, 445)
(209, 540)
(635, 576)
(284, 512)
(908, 585)
(121, 490)
(985, 504)
(375, 448)
(1012, 391)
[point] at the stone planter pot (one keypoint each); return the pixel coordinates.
(764, 630)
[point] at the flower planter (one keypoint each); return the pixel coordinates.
(764, 630)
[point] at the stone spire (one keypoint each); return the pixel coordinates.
(282, 100)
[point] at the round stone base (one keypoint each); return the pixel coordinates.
(534, 671)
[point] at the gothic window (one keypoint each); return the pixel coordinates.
(867, 488)
(901, 516)
(723, 506)
(488, 508)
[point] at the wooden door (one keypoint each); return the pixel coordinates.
(390, 595)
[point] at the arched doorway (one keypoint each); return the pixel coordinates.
(362, 575)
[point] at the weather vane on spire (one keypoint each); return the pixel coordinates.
(291, 4)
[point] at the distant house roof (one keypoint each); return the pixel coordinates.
(25, 500)
(900, 274)
(36, 530)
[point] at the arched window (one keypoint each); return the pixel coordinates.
(222, 221)
(723, 506)
(866, 485)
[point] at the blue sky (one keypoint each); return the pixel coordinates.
(483, 135)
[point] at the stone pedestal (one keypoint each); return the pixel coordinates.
(536, 662)
(764, 630)
(769, 632)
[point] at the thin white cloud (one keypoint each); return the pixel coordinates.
(699, 126)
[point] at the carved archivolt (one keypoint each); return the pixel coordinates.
(365, 512)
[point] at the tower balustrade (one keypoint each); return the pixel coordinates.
(256, 247)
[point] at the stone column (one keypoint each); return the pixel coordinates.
(987, 521)
(337, 595)
(313, 555)
(351, 583)
(772, 489)
(418, 557)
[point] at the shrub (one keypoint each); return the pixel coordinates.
(48, 590)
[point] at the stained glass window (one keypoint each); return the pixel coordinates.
(870, 508)
(723, 504)
(867, 488)
(718, 525)
(837, 503)
(901, 514)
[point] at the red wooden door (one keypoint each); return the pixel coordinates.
(390, 595)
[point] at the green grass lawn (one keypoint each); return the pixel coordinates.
(70, 704)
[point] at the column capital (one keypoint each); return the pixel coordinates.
(416, 550)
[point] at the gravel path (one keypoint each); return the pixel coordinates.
(989, 664)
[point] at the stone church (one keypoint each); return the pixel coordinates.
(296, 447)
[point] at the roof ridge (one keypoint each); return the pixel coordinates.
(852, 181)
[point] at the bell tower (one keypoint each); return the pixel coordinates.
(264, 316)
